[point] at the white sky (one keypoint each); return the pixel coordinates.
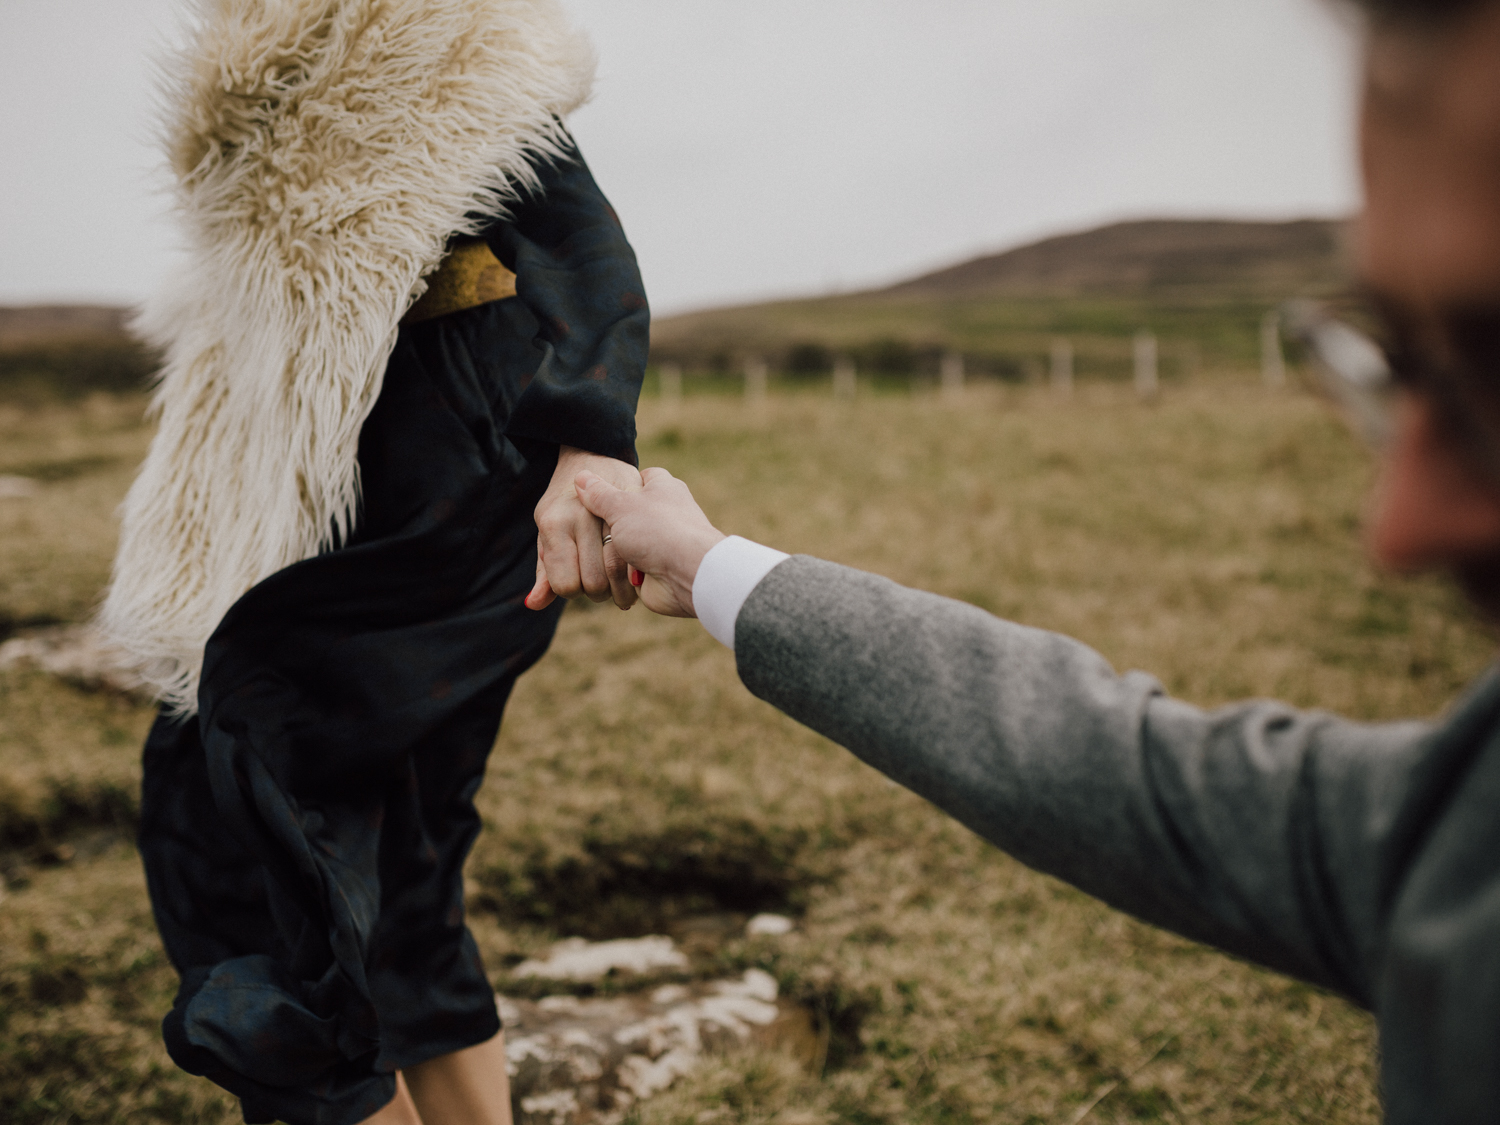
(780, 147)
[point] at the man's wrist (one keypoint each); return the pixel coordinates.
(725, 577)
(697, 553)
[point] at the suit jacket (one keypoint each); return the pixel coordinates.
(1364, 858)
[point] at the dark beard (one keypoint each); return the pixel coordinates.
(1480, 581)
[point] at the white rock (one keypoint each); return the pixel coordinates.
(579, 960)
(611, 1052)
(510, 1012)
(769, 925)
(73, 653)
(520, 1048)
(756, 984)
(559, 1105)
(644, 1077)
(18, 488)
(577, 1037)
(733, 1013)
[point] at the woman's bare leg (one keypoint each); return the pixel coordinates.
(400, 1111)
(468, 1087)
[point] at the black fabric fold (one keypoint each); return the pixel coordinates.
(304, 838)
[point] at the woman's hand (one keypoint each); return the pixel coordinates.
(659, 530)
(571, 555)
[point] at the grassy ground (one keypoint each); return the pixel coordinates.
(1210, 538)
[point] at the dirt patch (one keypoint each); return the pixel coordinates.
(620, 884)
(11, 624)
(35, 821)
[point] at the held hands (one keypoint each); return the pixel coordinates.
(659, 531)
(572, 557)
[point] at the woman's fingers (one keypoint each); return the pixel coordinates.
(588, 541)
(618, 572)
(541, 595)
(578, 561)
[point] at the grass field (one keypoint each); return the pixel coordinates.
(1211, 538)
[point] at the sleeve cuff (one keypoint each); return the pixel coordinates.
(732, 568)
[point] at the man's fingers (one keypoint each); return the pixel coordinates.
(655, 475)
(598, 495)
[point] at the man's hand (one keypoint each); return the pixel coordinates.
(571, 555)
(659, 531)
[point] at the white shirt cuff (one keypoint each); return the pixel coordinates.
(731, 569)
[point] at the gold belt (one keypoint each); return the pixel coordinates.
(470, 275)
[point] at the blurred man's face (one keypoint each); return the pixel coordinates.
(1431, 154)
(1430, 242)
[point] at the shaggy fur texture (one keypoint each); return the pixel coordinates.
(324, 151)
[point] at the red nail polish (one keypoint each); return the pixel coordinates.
(636, 577)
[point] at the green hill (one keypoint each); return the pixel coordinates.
(1201, 286)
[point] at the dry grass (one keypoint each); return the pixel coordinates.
(83, 987)
(1211, 538)
(55, 549)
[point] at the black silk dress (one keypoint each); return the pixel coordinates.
(304, 835)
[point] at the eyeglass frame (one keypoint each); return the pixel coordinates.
(1361, 376)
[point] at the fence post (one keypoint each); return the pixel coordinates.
(1272, 361)
(952, 377)
(1062, 366)
(1145, 364)
(845, 377)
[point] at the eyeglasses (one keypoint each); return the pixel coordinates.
(1453, 363)
(1351, 369)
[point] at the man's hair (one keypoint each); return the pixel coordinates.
(1418, 11)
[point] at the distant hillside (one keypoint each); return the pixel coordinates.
(1201, 285)
(1160, 256)
(47, 324)
(64, 351)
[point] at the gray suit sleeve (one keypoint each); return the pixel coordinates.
(1255, 828)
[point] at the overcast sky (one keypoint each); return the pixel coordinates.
(780, 147)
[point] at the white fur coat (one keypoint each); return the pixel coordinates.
(324, 151)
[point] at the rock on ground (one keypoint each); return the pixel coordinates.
(579, 1061)
(574, 959)
(73, 653)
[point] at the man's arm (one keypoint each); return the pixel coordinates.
(1256, 828)
(1253, 828)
